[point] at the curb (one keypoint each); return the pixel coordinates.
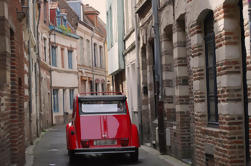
(29, 151)
(171, 161)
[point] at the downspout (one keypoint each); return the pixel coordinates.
(158, 79)
(104, 63)
(51, 91)
(139, 107)
(39, 67)
(30, 78)
(92, 52)
(244, 78)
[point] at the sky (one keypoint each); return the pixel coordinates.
(99, 5)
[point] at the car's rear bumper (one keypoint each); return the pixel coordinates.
(130, 149)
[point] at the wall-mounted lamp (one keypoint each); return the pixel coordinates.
(21, 14)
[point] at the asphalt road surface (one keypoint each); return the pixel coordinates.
(51, 151)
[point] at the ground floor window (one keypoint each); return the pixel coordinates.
(96, 87)
(55, 100)
(71, 98)
(210, 160)
(103, 87)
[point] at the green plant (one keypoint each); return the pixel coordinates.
(65, 29)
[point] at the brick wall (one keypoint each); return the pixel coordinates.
(223, 143)
(184, 82)
(4, 95)
(12, 93)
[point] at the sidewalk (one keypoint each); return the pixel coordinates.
(29, 151)
(171, 161)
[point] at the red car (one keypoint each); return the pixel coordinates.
(101, 125)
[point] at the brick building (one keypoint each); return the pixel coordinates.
(11, 84)
(205, 51)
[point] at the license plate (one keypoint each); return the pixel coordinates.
(105, 142)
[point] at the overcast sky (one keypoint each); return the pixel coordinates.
(99, 5)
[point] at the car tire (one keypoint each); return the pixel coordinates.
(134, 157)
(71, 157)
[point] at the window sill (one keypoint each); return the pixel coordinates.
(213, 124)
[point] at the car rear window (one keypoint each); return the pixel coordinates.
(101, 107)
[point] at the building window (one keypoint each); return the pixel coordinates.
(95, 55)
(45, 50)
(91, 87)
(70, 59)
(71, 98)
(111, 28)
(58, 17)
(96, 88)
(101, 56)
(210, 160)
(103, 88)
(22, 2)
(65, 22)
(55, 100)
(54, 56)
(45, 11)
(211, 79)
(88, 50)
(62, 57)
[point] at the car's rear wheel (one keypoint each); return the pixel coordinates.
(71, 156)
(134, 157)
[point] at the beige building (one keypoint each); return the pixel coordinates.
(91, 49)
(131, 56)
(63, 48)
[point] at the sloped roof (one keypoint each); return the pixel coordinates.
(88, 8)
(72, 17)
(101, 26)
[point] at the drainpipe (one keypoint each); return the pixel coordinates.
(51, 91)
(139, 106)
(244, 78)
(30, 91)
(39, 69)
(92, 53)
(104, 63)
(158, 79)
(30, 77)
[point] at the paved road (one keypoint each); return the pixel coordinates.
(51, 151)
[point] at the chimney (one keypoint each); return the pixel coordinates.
(92, 14)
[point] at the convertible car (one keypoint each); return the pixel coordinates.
(101, 125)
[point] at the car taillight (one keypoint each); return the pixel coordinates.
(124, 141)
(85, 143)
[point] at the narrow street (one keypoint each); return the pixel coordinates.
(51, 151)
